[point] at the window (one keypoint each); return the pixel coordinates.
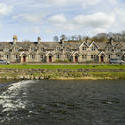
(109, 48)
(109, 56)
(83, 48)
(32, 56)
(84, 56)
(16, 56)
(58, 56)
(6, 49)
(33, 49)
(41, 56)
(67, 49)
(7, 56)
(16, 50)
(42, 49)
(93, 48)
(67, 56)
(58, 48)
(93, 56)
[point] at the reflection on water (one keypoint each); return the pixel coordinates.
(63, 103)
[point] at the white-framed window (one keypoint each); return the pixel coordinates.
(16, 56)
(93, 48)
(57, 56)
(83, 48)
(42, 49)
(84, 56)
(93, 56)
(32, 56)
(58, 49)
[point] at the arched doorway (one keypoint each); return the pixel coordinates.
(76, 58)
(24, 58)
(102, 58)
(50, 58)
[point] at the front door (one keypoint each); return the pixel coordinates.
(102, 58)
(50, 59)
(24, 58)
(76, 59)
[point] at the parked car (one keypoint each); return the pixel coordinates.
(4, 62)
(116, 61)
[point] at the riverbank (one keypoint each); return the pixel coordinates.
(62, 74)
(62, 66)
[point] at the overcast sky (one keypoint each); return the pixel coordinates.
(46, 18)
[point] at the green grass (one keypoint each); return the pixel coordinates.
(63, 66)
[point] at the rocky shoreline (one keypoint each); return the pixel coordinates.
(61, 74)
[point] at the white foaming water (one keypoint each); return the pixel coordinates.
(10, 100)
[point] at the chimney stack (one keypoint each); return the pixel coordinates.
(15, 39)
(38, 40)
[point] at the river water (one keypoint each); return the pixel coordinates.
(99, 102)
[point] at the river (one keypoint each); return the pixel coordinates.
(49, 102)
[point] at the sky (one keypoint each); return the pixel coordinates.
(29, 19)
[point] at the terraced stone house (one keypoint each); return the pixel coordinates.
(63, 51)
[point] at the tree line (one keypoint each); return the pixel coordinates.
(100, 37)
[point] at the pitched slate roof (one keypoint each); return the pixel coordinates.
(53, 45)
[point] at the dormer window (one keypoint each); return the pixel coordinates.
(83, 48)
(58, 48)
(93, 48)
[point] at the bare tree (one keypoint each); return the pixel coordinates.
(63, 36)
(56, 38)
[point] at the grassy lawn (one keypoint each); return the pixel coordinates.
(63, 66)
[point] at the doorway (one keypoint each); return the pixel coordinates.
(50, 59)
(24, 59)
(76, 59)
(102, 58)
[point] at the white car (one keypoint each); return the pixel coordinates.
(116, 61)
(4, 62)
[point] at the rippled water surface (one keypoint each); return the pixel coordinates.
(63, 103)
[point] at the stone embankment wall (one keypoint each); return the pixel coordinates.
(64, 74)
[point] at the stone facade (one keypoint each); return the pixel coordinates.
(63, 51)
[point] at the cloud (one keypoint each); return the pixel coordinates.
(57, 19)
(61, 16)
(57, 2)
(33, 18)
(98, 22)
(95, 20)
(87, 3)
(5, 9)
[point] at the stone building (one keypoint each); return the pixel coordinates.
(63, 51)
